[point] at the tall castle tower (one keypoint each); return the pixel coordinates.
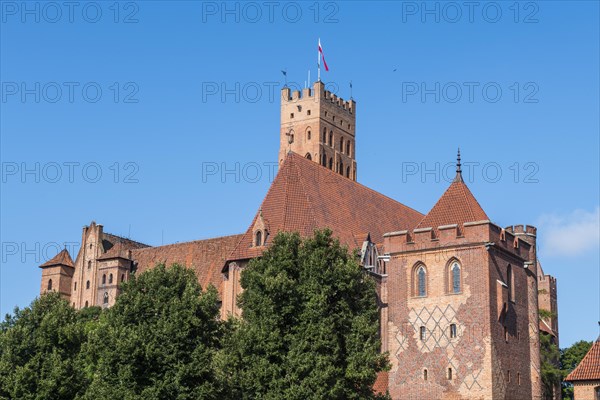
(320, 126)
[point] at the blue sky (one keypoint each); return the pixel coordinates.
(119, 112)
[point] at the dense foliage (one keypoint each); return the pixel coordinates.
(158, 341)
(310, 325)
(40, 350)
(310, 330)
(570, 357)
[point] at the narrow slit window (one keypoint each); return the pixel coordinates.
(452, 331)
(455, 278)
(421, 281)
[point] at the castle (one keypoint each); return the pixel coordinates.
(459, 296)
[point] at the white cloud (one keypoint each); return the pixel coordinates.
(569, 235)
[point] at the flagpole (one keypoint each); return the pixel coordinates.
(319, 62)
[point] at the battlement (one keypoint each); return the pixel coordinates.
(522, 230)
(478, 232)
(317, 93)
(547, 278)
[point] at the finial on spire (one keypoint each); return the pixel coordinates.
(458, 177)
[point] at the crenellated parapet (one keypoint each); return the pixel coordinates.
(470, 233)
(321, 126)
(317, 94)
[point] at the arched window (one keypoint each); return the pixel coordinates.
(258, 238)
(424, 374)
(308, 156)
(449, 374)
(89, 264)
(105, 300)
(341, 144)
(325, 135)
(331, 138)
(49, 284)
(104, 279)
(455, 277)
(510, 282)
(348, 147)
(75, 286)
(87, 285)
(347, 172)
(341, 168)
(122, 277)
(110, 278)
(308, 135)
(86, 303)
(421, 281)
(331, 163)
(324, 160)
(422, 333)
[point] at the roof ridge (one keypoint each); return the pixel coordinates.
(61, 258)
(187, 242)
(271, 186)
(121, 238)
(358, 184)
(465, 194)
(456, 205)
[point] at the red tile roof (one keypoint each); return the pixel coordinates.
(589, 368)
(205, 257)
(119, 250)
(109, 240)
(381, 383)
(62, 258)
(305, 196)
(456, 206)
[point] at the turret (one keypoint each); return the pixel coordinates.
(57, 274)
(320, 126)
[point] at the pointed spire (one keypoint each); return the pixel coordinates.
(458, 177)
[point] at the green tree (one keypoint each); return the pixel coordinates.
(40, 350)
(158, 341)
(549, 357)
(570, 357)
(309, 328)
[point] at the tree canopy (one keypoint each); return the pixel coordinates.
(40, 349)
(310, 324)
(570, 357)
(158, 341)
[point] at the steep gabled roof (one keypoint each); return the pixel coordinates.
(456, 206)
(589, 368)
(62, 258)
(119, 250)
(110, 240)
(305, 196)
(205, 257)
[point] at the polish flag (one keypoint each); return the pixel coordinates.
(322, 56)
